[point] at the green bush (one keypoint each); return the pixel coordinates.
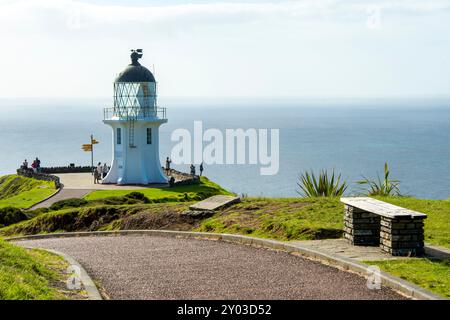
(11, 215)
(324, 185)
(137, 196)
(68, 203)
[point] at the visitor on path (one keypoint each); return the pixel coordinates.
(201, 169)
(105, 170)
(98, 173)
(34, 166)
(168, 162)
(192, 170)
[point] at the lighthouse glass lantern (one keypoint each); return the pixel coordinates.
(135, 119)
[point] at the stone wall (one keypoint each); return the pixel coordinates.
(361, 227)
(68, 169)
(182, 178)
(29, 173)
(402, 237)
(397, 236)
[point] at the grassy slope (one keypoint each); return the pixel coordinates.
(428, 274)
(437, 224)
(21, 192)
(206, 187)
(29, 274)
(284, 219)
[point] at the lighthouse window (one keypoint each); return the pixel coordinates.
(149, 135)
(119, 136)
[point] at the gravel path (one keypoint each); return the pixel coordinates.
(61, 195)
(147, 267)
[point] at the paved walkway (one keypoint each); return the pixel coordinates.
(343, 248)
(77, 185)
(63, 194)
(86, 181)
(147, 267)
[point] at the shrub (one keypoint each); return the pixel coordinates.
(68, 203)
(137, 196)
(11, 215)
(385, 187)
(324, 185)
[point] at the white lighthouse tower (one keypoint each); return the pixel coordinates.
(135, 120)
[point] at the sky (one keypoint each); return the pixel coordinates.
(220, 49)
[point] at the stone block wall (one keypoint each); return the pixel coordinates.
(361, 227)
(402, 237)
(182, 178)
(39, 176)
(68, 169)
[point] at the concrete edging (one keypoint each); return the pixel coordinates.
(88, 284)
(404, 287)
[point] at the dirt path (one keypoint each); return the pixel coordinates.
(147, 267)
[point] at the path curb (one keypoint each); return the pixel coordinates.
(404, 287)
(88, 284)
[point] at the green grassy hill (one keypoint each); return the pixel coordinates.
(275, 218)
(30, 274)
(204, 189)
(22, 192)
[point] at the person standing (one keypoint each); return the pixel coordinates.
(25, 164)
(168, 162)
(192, 169)
(105, 170)
(201, 169)
(38, 164)
(34, 166)
(99, 171)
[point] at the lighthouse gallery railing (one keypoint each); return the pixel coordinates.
(134, 113)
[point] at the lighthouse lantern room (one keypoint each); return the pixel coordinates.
(135, 119)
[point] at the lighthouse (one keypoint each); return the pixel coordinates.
(135, 119)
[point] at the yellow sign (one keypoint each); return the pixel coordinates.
(94, 141)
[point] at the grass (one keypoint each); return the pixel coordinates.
(29, 274)
(437, 224)
(426, 273)
(280, 218)
(203, 190)
(275, 218)
(22, 192)
(283, 219)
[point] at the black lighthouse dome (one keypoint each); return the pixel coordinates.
(134, 72)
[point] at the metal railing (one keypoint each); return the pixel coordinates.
(134, 113)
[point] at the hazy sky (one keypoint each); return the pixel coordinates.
(62, 48)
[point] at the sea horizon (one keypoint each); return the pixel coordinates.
(354, 137)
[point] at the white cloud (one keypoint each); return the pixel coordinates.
(57, 16)
(277, 48)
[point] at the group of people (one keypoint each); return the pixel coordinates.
(192, 167)
(35, 165)
(100, 172)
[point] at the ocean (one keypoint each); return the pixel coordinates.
(354, 137)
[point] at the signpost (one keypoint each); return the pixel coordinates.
(89, 147)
